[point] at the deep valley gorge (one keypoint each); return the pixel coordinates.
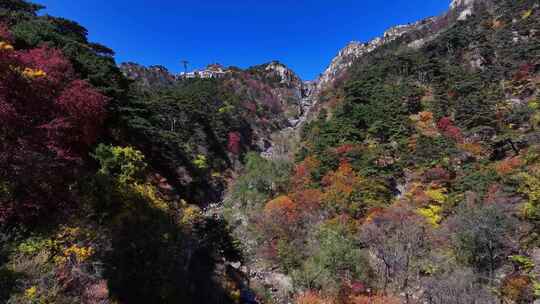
(407, 172)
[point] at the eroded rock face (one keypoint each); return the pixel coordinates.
(459, 10)
(296, 96)
(286, 75)
(461, 3)
(344, 60)
(148, 76)
(354, 50)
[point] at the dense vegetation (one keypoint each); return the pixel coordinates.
(417, 181)
(87, 214)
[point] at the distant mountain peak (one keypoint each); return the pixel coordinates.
(155, 75)
(459, 10)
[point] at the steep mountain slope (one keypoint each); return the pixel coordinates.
(407, 173)
(272, 95)
(84, 216)
(421, 31)
(416, 173)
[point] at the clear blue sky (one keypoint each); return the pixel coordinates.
(303, 34)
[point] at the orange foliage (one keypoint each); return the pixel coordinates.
(475, 149)
(508, 165)
(282, 207)
(308, 200)
(425, 116)
(344, 179)
(425, 124)
(312, 297)
(302, 174)
(517, 288)
(340, 185)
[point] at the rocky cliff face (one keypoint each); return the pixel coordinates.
(152, 76)
(274, 97)
(355, 50)
(295, 94)
(286, 76)
(459, 10)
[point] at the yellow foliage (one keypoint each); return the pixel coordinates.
(200, 162)
(432, 213)
(31, 293)
(65, 245)
(425, 116)
(68, 234)
(438, 195)
(81, 254)
(33, 74)
(149, 193)
(235, 296)
(530, 186)
(226, 108)
(125, 164)
(191, 214)
(34, 246)
(535, 120)
(527, 14)
(5, 46)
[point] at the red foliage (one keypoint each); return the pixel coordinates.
(447, 127)
(234, 142)
(48, 119)
(437, 174)
(85, 107)
(357, 288)
(524, 72)
(58, 69)
(444, 123)
(96, 293)
(344, 149)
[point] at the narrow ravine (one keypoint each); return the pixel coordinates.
(308, 101)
